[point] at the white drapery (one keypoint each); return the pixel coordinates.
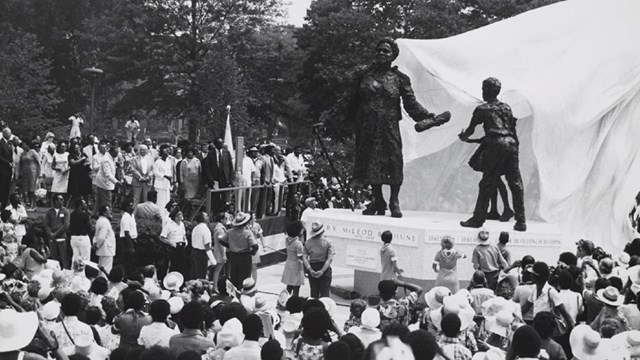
(571, 73)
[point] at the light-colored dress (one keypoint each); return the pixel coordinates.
(162, 185)
(60, 180)
(30, 170)
(448, 269)
(257, 232)
(190, 176)
(75, 127)
(293, 273)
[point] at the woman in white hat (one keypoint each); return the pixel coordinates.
(317, 258)
(17, 330)
(611, 298)
(241, 244)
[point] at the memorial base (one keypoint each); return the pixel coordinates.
(416, 238)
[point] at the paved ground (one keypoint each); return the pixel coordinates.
(269, 286)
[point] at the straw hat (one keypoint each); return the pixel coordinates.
(249, 286)
(370, 318)
(175, 304)
(629, 341)
(173, 281)
(501, 323)
(586, 343)
(241, 219)
(316, 229)
(16, 329)
(261, 304)
(456, 304)
(435, 296)
(483, 235)
(231, 333)
(610, 296)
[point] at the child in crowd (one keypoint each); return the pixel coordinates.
(356, 309)
(445, 264)
(450, 342)
(9, 238)
(479, 291)
(503, 240)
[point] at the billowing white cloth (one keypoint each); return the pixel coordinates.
(571, 73)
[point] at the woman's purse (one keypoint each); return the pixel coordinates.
(561, 324)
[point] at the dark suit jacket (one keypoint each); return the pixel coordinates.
(6, 156)
(57, 224)
(221, 172)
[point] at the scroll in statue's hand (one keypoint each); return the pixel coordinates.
(432, 121)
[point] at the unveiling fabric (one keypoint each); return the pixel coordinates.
(571, 73)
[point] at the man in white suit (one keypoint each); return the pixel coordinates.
(142, 175)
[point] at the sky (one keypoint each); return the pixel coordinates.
(297, 11)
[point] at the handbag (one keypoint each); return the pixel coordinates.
(561, 324)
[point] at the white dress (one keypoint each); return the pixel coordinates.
(75, 126)
(60, 180)
(161, 184)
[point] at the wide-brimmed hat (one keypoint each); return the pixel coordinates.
(586, 343)
(483, 235)
(50, 311)
(80, 283)
(252, 149)
(241, 219)
(491, 307)
(16, 329)
(610, 296)
(435, 296)
(309, 200)
(173, 281)
(491, 354)
(628, 341)
(175, 304)
(455, 304)
(329, 305)
(500, 324)
(231, 334)
(316, 229)
(249, 286)
(370, 318)
(85, 345)
(261, 304)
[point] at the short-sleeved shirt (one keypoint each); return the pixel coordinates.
(173, 232)
(548, 296)
(128, 223)
(318, 249)
(200, 237)
(487, 258)
(387, 257)
(240, 239)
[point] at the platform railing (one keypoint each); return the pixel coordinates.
(262, 200)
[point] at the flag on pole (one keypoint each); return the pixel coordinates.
(228, 139)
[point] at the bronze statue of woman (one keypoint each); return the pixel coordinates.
(375, 112)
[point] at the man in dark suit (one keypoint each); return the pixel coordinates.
(218, 173)
(56, 223)
(6, 166)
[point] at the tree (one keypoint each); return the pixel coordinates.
(28, 96)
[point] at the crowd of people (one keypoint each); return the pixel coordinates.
(80, 285)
